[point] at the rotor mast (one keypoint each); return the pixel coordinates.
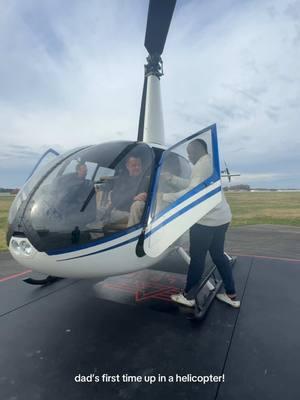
(151, 125)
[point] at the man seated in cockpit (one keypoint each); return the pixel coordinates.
(81, 170)
(74, 178)
(127, 198)
(77, 179)
(67, 192)
(72, 189)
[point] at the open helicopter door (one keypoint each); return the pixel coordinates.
(49, 155)
(187, 186)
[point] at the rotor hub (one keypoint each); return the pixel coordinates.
(154, 65)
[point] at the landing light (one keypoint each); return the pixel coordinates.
(21, 247)
(15, 246)
(26, 248)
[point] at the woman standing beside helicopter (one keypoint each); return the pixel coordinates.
(208, 234)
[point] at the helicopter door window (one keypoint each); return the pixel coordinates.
(187, 186)
(184, 167)
(103, 172)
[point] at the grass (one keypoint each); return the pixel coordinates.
(5, 202)
(251, 208)
(248, 208)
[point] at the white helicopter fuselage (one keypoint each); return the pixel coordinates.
(129, 249)
(114, 257)
(117, 253)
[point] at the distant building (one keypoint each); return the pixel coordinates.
(8, 191)
(238, 188)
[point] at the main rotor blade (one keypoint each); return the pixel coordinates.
(159, 18)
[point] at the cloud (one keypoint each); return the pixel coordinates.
(72, 75)
(292, 10)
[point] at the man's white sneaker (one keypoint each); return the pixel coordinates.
(181, 299)
(223, 297)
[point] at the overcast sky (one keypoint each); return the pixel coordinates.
(71, 73)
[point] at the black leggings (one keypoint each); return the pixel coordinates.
(208, 238)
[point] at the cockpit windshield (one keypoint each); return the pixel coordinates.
(95, 192)
(33, 179)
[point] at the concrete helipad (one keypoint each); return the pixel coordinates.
(51, 335)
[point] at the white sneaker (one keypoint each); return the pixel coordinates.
(181, 299)
(223, 297)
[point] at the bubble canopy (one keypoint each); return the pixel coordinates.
(85, 196)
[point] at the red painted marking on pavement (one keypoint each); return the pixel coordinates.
(144, 291)
(6, 278)
(161, 294)
(267, 257)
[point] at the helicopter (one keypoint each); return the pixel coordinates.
(74, 216)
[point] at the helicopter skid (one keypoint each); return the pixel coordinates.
(205, 293)
(46, 281)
